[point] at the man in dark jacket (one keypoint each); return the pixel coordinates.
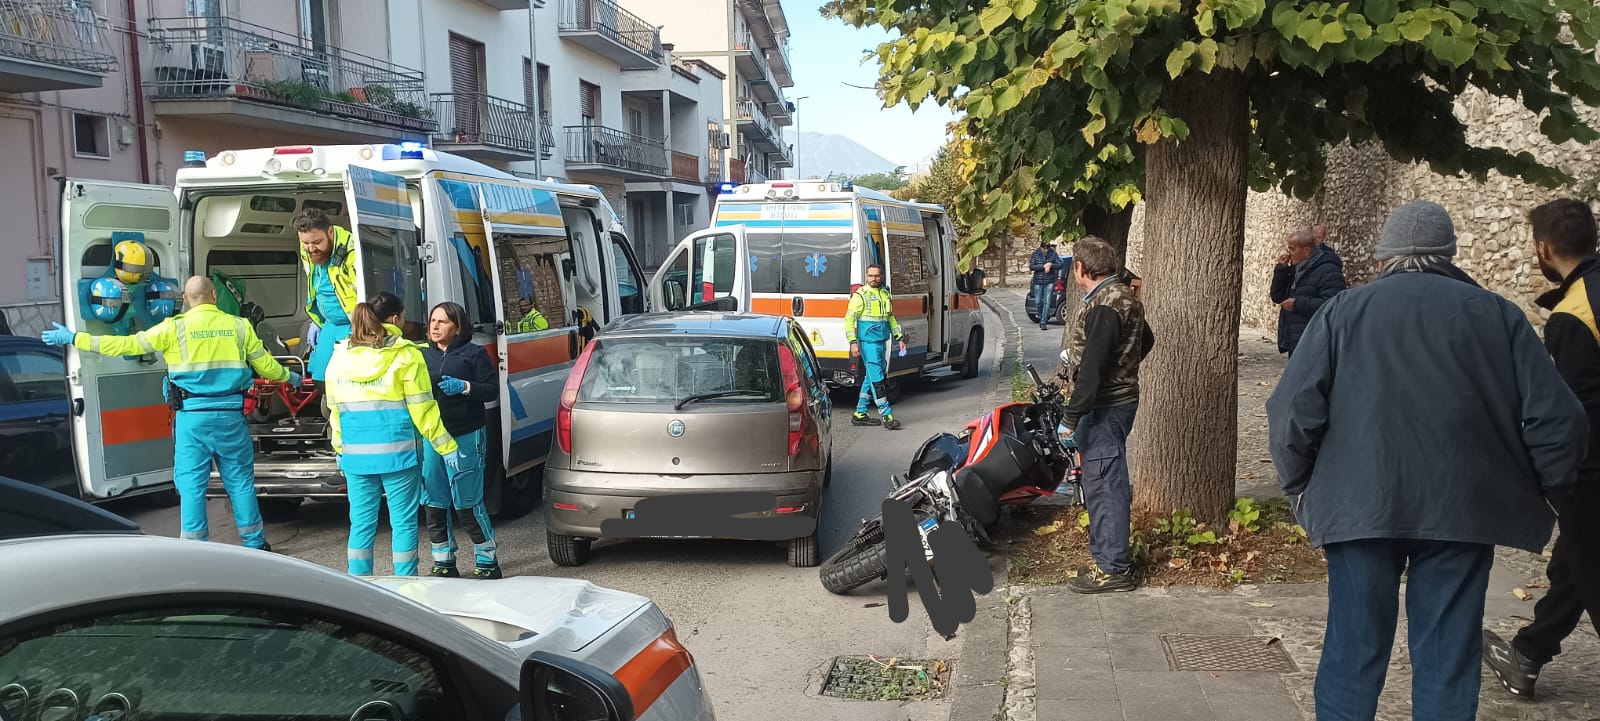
(1564, 239)
(1307, 276)
(1106, 342)
(1046, 267)
(1419, 425)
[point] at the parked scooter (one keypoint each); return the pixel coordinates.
(1010, 456)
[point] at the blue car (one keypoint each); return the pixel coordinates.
(35, 408)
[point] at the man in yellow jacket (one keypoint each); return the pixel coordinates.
(869, 323)
(328, 258)
(209, 356)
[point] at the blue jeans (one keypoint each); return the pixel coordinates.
(1040, 298)
(199, 437)
(1445, 585)
(366, 492)
(464, 493)
(1102, 436)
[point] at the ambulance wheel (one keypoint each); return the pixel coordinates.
(974, 353)
(163, 499)
(279, 509)
(514, 496)
(895, 388)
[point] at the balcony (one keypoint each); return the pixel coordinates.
(484, 127)
(601, 149)
(46, 46)
(604, 27)
(784, 158)
(778, 60)
(686, 167)
(503, 5)
(756, 126)
(260, 77)
(752, 64)
(736, 170)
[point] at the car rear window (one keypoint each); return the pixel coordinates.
(669, 370)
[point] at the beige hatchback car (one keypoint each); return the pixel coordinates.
(691, 425)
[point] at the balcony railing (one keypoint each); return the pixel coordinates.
(608, 18)
(547, 135)
(747, 43)
(197, 58)
(478, 119)
(686, 166)
(598, 145)
(750, 110)
(54, 34)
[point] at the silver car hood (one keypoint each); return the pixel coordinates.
(560, 613)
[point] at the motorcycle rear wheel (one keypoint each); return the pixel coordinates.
(854, 566)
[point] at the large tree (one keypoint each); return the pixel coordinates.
(1074, 100)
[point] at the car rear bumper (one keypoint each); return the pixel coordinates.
(300, 478)
(577, 502)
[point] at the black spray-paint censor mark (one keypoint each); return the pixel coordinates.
(710, 515)
(959, 566)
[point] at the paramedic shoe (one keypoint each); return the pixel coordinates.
(862, 419)
(890, 423)
(267, 547)
(1514, 670)
(442, 571)
(487, 574)
(1098, 581)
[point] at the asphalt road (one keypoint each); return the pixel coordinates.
(763, 633)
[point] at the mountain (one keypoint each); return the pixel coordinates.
(821, 154)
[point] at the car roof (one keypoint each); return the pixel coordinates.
(711, 323)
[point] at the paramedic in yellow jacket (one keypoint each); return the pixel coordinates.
(209, 354)
(380, 407)
(869, 324)
(328, 259)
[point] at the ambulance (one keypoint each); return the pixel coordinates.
(801, 248)
(428, 227)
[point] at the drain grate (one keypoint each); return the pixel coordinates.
(866, 679)
(1227, 653)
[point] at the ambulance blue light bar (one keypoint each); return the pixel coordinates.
(726, 188)
(194, 158)
(411, 149)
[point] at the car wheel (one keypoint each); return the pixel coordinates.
(827, 473)
(279, 509)
(969, 365)
(1061, 314)
(1033, 316)
(519, 494)
(803, 551)
(567, 550)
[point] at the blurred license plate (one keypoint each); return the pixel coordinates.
(928, 524)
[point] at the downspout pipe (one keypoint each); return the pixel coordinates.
(137, 68)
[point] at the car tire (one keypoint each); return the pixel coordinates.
(277, 510)
(827, 472)
(1033, 316)
(974, 354)
(567, 550)
(803, 552)
(1061, 314)
(518, 494)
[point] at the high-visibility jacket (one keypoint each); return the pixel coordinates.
(873, 305)
(209, 353)
(379, 401)
(533, 321)
(341, 271)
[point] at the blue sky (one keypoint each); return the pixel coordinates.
(827, 54)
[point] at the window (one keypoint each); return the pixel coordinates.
(222, 663)
(667, 370)
(800, 262)
(629, 283)
(636, 122)
(713, 267)
(531, 271)
(271, 204)
(479, 296)
(674, 290)
(32, 376)
(527, 83)
(683, 213)
(908, 263)
(91, 135)
(802, 357)
(589, 102)
(332, 208)
(391, 263)
(544, 90)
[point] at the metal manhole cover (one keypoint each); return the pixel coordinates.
(864, 678)
(1227, 653)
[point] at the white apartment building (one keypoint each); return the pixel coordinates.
(614, 108)
(749, 41)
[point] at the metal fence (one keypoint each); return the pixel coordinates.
(598, 145)
(199, 57)
(611, 20)
(478, 119)
(56, 32)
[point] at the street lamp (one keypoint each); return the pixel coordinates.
(797, 175)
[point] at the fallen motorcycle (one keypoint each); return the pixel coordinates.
(1010, 456)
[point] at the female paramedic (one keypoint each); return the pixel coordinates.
(380, 401)
(464, 379)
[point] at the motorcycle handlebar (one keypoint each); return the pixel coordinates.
(1035, 374)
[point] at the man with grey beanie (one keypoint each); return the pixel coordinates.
(1419, 424)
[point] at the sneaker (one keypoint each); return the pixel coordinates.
(1098, 581)
(443, 571)
(890, 423)
(267, 547)
(862, 419)
(1514, 670)
(486, 574)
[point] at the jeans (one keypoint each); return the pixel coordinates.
(366, 492)
(1102, 436)
(1445, 589)
(463, 492)
(1574, 573)
(1040, 298)
(199, 437)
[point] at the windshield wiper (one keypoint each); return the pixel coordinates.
(711, 396)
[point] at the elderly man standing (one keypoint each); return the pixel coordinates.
(209, 354)
(1307, 276)
(1420, 424)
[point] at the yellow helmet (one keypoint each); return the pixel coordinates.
(132, 261)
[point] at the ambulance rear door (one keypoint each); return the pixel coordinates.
(121, 425)
(709, 270)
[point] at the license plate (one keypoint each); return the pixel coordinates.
(928, 524)
(628, 513)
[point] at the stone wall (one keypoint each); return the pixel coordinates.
(1363, 185)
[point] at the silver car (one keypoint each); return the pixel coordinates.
(718, 421)
(134, 626)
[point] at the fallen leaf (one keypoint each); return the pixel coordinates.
(1521, 594)
(939, 667)
(1259, 604)
(1178, 562)
(1546, 554)
(874, 604)
(1271, 641)
(1047, 530)
(1537, 585)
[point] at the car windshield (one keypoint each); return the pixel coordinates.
(680, 368)
(795, 261)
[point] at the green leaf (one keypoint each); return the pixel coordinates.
(1416, 29)
(1067, 47)
(1208, 55)
(1206, 22)
(1286, 20)
(994, 16)
(1024, 8)
(1178, 59)
(1007, 98)
(1333, 33)
(1382, 11)
(1389, 33)
(1465, 9)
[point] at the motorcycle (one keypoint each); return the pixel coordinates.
(1011, 456)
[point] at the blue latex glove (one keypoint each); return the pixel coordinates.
(59, 335)
(295, 380)
(312, 331)
(455, 461)
(452, 386)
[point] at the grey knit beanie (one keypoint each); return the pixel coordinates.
(1417, 228)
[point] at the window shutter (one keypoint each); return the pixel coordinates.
(589, 101)
(465, 69)
(527, 83)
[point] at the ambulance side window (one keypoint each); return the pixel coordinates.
(473, 267)
(393, 264)
(531, 270)
(908, 266)
(630, 286)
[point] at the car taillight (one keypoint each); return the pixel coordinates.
(569, 398)
(793, 396)
(1061, 285)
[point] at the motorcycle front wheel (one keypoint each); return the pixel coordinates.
(855, 565)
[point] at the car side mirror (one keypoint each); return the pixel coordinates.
(555, 688)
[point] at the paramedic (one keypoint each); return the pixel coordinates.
(463, 378)
(209, 355)
(869, 323)
(327, 257)
(380, 401)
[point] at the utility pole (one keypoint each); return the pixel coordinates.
(797, 174)
(538, 118)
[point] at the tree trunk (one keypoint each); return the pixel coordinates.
(1186, 435)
